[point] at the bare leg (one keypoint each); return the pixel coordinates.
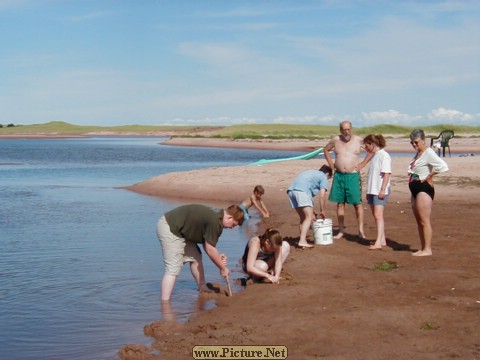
(422, 209)
(261, 265)
(359, 215)
(341, 219)
(168, 283)
(196, 268)
(285, 251)
(306, 215)
(377, 211)
(167, 311)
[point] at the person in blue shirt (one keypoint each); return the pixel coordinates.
(301, 193)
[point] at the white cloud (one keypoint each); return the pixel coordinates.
(387, 64)
(393, 117)
(451, 116)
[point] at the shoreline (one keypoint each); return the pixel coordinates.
(397, 144)
(465, 144)
(314, 301)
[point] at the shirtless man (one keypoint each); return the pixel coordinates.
(346, 187)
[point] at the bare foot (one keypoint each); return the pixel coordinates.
(305, 246)
(374, 247)
(361, 235)
(422, 253)
(338, 236)
(208, 288)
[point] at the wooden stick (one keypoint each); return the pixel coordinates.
(228, 285)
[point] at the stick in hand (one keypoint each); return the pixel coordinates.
(228, 285)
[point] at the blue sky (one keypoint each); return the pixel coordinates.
(225, 62)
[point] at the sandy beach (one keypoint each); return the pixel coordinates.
(331, 303)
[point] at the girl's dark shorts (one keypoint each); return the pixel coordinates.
(421, 186)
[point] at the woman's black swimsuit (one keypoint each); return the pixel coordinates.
(417, 186)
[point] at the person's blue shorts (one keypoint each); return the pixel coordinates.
(299, 199)
(374, 200)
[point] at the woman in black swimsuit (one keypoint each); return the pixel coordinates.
(425, 164)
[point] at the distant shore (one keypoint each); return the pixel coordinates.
(467, 143)
(87, 135)
(394, 144)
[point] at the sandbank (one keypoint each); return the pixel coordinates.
(331, 303)
(465, 143)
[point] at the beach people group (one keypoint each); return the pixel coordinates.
(184, 228)
(347, 185)
(421, 170)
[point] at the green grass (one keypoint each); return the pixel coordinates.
(61, 127)
(385, 266)
(428, 326)
(248, 131)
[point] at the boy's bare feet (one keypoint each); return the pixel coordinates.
(361, 235)
(422, 253)
(374, 247)
(338, 236)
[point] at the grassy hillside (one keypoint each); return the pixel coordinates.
(249, 131)
(61, 127)
(284, 131)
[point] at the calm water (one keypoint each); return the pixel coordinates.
(81, 265)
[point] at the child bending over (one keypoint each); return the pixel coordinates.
(255, 200)
(264, 256)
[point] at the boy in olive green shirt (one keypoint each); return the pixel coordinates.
(182, 229)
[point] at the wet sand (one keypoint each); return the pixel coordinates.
(331, 303)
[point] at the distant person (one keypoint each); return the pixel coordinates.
(378, 184)
(182, 229)
(423, 167)
(265, 255)
(301, 193)
(255, 199)
(347, 186)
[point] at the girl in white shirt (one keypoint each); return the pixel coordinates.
(378, 184)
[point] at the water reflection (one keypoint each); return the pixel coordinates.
(168, 314)
(171, 312)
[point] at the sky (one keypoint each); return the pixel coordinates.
(229, 62)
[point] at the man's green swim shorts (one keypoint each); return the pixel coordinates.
(346, 188)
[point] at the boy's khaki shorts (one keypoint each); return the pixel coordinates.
(176, 250)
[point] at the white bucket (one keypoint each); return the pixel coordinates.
(322, 232)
